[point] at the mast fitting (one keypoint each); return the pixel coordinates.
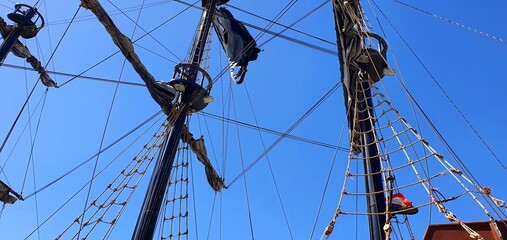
(375, 60)
(23, 15)
(194, 91)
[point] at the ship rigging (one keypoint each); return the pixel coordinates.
(406, 175)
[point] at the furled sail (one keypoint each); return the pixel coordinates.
(356, 59)
(240, 47)
(5, 194)
(20, 50)
(198, 147)
(161, 92)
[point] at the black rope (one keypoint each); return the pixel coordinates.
(274, 132)
(111, 106)
(17, 117)
(288, 131)
(90, 68)
(90, 16)
(211, 214)
(269, 165)
(157, 54)
(5, 6)
(296, 22)
(327, 182)
(193, 199)
(83, 187)
(136, 25)
(33, 164)
(31, 92)
(50, 42)
(243, 167)
(32, 142)
(448, 98)
(95, 155)
(31, 160)
(284, 26)
(263, 31)
(17, 141)
(2, 211)
(279, 34)
(37, 3)
(63, 36)
(76, 76)
(277, 17)
(426, 168)
(100, 149)
(212, 146)
(134, 41)
(294, 40)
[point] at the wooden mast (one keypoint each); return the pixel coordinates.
(147, 220)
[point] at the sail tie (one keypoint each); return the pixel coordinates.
(20, 50)
(198, 147)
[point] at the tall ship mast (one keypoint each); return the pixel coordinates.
(222, 119)
(361, 67)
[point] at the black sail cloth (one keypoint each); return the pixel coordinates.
(198, 147)
(20, 50)
(240, 47)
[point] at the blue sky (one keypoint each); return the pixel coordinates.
(285, 81)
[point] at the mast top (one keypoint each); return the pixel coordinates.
(23, 15)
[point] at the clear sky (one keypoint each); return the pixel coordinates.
(291, 74)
